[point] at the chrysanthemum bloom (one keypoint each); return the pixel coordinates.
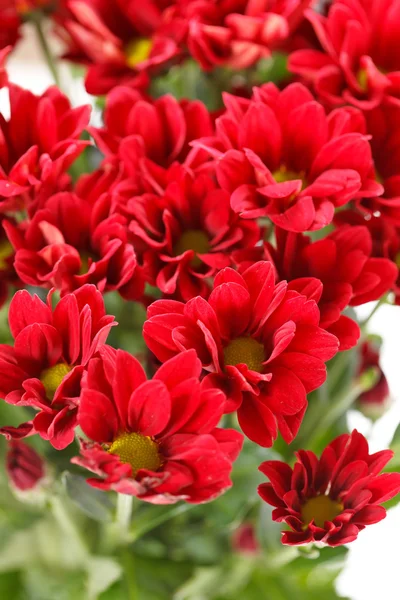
(281, 156)
(149, 136)
(185, 236)
(359, 62)
(385, 238)
(37, 144)
(343, 261)
(57, 249)
(51, 350)
(374, 402)
(234, 34)
(157, 439)
(260, 342)
(24, 466)
(330, 499)
(117, 40)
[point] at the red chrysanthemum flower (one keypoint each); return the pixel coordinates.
(155, 439)
(117, 39)
(374, 402)
(260, 342)
(343, 261)
(51, 350)
(359, 62)
(385, 238)
(37, 145)
(55, 249)
(330, 499)
(24, 466)
(233, 34)
(275, 164)
(185, 236)
(148, 137)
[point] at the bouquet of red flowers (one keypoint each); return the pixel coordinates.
(178, 279)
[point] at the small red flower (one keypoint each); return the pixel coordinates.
(276, 164)
(157, 439)
(233, 34)
(244, 540)
(343, 261)
(186, 236)
(260, 342)
(359, 62)
(330, 499)
(25, 467)
(55, 249)
(51, 350)
(375, 401)
(37, 145)
(117, 39)
(148, 137)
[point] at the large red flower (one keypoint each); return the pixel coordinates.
(343, 261)
(51, 350)
(281, 156)
(260, 342)
(155, 439)
(37, 145)
(117, 39)
(233, 34)
(55, 249)
(185, 236)
(10, 24)
(330, 499)
(3, 73)
(148, 137)
(359, 62)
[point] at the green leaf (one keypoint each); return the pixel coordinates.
(94, 503)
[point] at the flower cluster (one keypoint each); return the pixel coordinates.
(247, 233)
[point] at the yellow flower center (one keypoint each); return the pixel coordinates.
(6, 250)
(283, 174)
(52, 377)
(320, 509)
(193, 239)
(137, 51)
(362, 79)
(245, 350)
(139, 451)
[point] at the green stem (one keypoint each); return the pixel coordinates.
(37, 22)
(144, 527)
(335, 411)
(383, 300)
(127, 562)
(124, 512)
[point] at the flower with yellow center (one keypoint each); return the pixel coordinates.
(320, 509)
(139, 451)
(6, 251)
(52, 377)
(193, 239)
(245, 350)
(137, 51)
